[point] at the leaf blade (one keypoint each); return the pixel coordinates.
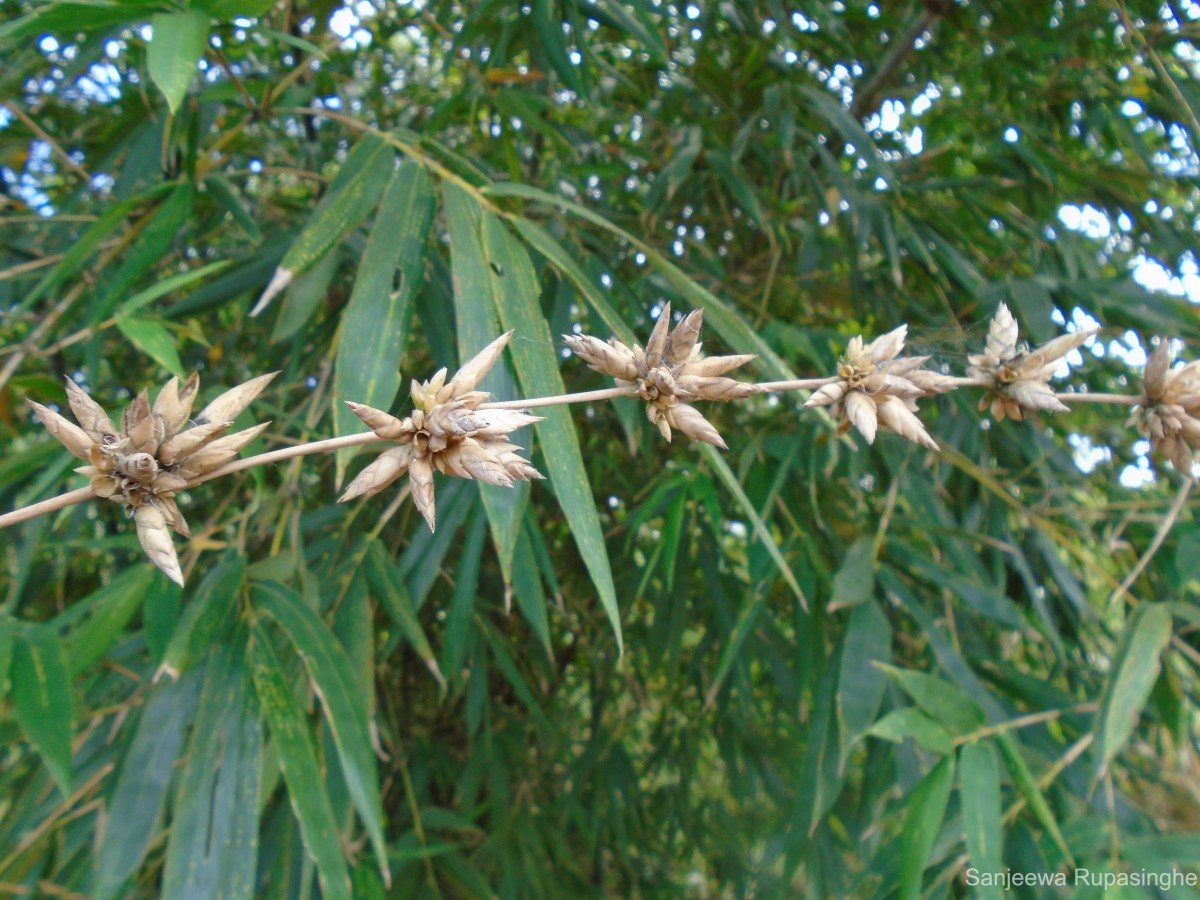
(301, 774)
(537, 369)
(375, 322)
(42, 698)
(177, 44)
(333, 680)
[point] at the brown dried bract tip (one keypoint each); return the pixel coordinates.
(152, 457)
(446, 432)
(669, 374)
(876, 388)
(1017, 377)
(1169, 411)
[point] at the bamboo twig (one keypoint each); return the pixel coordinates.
(1164, 529)
(1089, 397)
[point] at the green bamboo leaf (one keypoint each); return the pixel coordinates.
(520, 686)
(109, 611)
(979, 790)
(466, 584)
(298, 762)
(822, 778)
(82, 249)
(637, 23)
(333, 680)
(544, 243)
(135, 811)
(353, 194)
(944, 702)
(375, 323)
(854, 582)
(152, 338)
(926, 807)
(304, 296)
(8, 635)
(42, 698)
(226, 196)
(527, 589)
(170, 284)
(354, 627)
(537, 368)
(233, 9)
(735, 182)
(729, 479)
(914, 723)
(283, 37)
(204, 615)
(552, 42)
(1027, 784)
(147, 252)
(476, 325)
(861, 684)
(213, 847)
(178, 43)
(1133, 675)
(387, 584)
(57, 18)
(735, 640)
(727, 323)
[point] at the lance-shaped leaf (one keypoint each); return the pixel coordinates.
(354, 193)
(329, 671)
(304, 779)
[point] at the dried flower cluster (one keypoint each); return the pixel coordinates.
(1018, 378)
(876, 388)
(153, 456)
(156, 452)
(669, 374)
(1169, 408)
(446, 431)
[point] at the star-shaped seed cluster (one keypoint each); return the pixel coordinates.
(1018, 378)
(670, 374)
(876, 388)
(446, 432)
(1169, 411)
(154, 454)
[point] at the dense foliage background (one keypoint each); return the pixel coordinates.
(341, 692)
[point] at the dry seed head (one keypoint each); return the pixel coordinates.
(448, 432)
(1169, 411)
(878, 388)
(1018, 378)
(669, 374)
(154, 455)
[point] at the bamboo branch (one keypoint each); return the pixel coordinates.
(281, 454)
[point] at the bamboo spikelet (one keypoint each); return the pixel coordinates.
(669, 374)
(1018, 378)
(153, 456)
(1169, 410)
(877, 388)
(446, 432)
